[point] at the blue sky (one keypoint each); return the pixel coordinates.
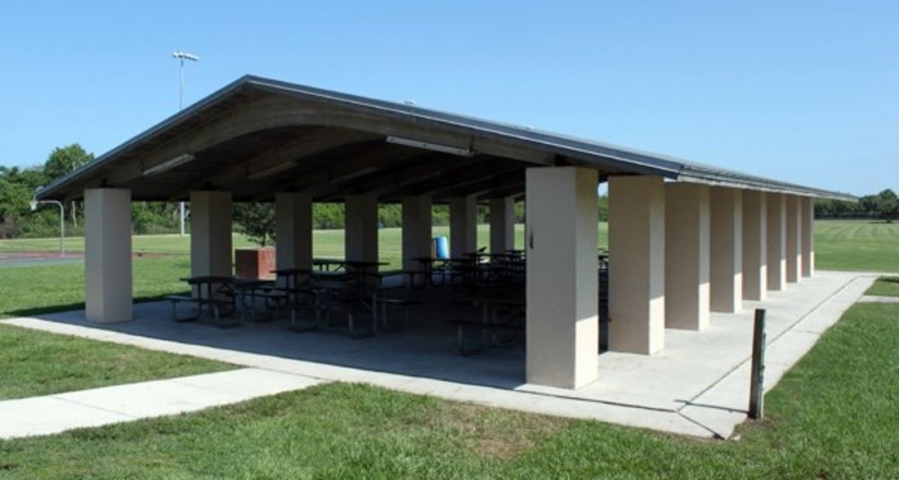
(805, 91)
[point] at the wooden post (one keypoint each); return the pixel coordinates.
(757, 381)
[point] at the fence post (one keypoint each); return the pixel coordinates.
(757, 380)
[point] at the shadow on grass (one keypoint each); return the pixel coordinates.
(30, 312)
(889, 280)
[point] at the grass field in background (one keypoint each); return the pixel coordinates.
(832, 416)
(43, 288)
(857, 245)
(851, 245)
(326, 243)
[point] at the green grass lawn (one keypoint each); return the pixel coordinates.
(857, 245)
(831, 416)
(36, 363)
(885, 287)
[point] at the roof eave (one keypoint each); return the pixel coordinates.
(694, 174)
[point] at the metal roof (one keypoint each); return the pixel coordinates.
(241, 128)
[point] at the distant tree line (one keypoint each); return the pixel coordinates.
(884, 205)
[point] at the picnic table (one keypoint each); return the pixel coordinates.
(328, 264)
(221, 296)
(296, 282)
(428, 266)
(353, 286)
(214, 293)
(248, 291)
(500, 310)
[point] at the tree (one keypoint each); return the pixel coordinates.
(257, 221)
(16, 189)
(868, 203)
(888, 205)
(63, 161)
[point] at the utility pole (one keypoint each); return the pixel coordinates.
(182, 56)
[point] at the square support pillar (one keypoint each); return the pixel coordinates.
(361, 242)
(416, 230)
(777, 242)
(107, 255)
(808, 237)
(755, 245)
(562, 279)
(794, 238)
(637, 264)
(210, 233)
(502, 224)
(463, 225)
(293, 230)
(687, 256)
(727, 250)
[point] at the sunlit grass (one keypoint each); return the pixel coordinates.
(832, 416)
(857, 245)
(38, 363)
(885, 287)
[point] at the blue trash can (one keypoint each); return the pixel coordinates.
(441, 248)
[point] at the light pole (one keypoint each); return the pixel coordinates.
(62, 218)
(182, 56)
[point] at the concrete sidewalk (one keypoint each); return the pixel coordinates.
(698, 386)
(122, 403)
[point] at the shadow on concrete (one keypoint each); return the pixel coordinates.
(426, 347)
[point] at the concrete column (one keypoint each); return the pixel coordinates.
(293, 230)
(210, 233)
(794, 238)
(637, 264)
(562, 280)
(808, 237)
(687, 256)
(727, 250)
(777, 242)
(416, 230)
(107, 255)
(755, 245)
(463, 225)
(502, 224)
(361, 242)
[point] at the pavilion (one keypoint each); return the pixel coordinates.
(685, 239)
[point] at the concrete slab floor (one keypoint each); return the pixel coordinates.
(697, 386)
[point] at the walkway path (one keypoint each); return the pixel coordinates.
(102, 406)
(873, 299)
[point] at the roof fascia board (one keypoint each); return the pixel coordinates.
(724, 179)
